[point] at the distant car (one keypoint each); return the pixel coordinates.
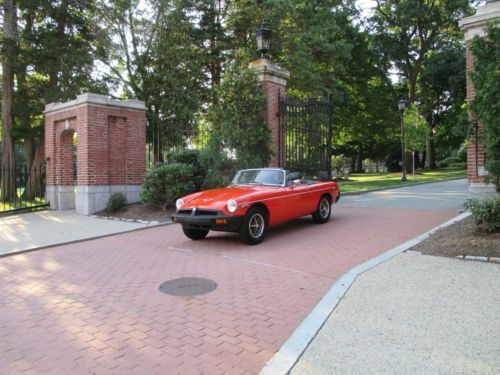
(255, 199)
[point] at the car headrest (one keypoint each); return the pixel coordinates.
(293, 176)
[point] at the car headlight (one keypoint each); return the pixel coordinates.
(232, 206)
(179, 203)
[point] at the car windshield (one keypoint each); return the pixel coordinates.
(273, 177)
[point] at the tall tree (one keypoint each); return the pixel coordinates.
(154, 58)
(408, 31)
(9, 53)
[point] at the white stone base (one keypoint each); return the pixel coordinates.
(61, 197)
(480, 189)
(89, 199)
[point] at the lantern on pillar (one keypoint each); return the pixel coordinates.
(263, 39)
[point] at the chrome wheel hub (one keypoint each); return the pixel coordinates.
(324, 208)
(256, 225)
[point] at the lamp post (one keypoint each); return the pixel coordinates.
(401, 107)
(263, 39)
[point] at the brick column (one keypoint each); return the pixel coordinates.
(111, 151)
(476, 26)
(273, 80)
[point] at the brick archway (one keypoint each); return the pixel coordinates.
(111, 151)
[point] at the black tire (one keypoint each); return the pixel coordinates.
(323, 211)
(195, 234)
(254, 227)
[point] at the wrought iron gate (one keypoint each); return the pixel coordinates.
(28, 185)
(305, 136)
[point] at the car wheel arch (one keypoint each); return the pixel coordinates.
(264, 207)
(328, 196)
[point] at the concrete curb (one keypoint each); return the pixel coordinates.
(291, 351)
(17, 252)
(358, 192)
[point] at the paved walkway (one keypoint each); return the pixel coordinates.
(94, 306)
(46, 228)
(415, 314)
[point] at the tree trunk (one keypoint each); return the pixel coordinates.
(23, 116)
(359, 160)
(413, 159)
(430, 154)
(34, 183)
(8, 60)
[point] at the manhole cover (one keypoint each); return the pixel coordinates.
(188, 286)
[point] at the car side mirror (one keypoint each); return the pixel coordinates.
(296, 182)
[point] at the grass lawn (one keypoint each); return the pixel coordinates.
(379, 180)
(20, 203)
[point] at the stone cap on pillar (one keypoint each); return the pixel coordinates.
(476, 25)
(268, 71)
(97, 99)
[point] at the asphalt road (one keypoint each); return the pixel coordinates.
(443, 196)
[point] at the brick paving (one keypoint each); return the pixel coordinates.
(94, 307)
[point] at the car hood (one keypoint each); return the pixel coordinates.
(217, 198)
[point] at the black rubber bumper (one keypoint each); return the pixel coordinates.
(210, 222)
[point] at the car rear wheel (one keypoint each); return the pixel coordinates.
(322, 213)
(195, 234)
(254, 226)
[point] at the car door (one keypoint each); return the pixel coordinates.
(297, 200)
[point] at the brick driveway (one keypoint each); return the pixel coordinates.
(94, 307)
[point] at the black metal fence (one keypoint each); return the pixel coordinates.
(306, 135)
(22, 188)
(160, 144)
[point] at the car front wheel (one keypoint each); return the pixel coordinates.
(254, 226)
(195, 234)
(322, 213)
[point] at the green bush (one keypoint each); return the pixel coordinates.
(462, 152)
(447, 161)
(220, 169)
(458, 165)
(115, 202)
(190, 157)
(166, 182)
(486, 213)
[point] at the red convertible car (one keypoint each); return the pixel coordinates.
(256, 199)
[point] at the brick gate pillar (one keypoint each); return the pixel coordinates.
(476, 26)
(273, 80)
(110, 151)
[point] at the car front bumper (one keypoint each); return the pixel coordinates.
(215, 220)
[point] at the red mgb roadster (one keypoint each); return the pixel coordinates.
(256, 199)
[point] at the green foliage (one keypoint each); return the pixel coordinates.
(220, 169)
(486, 106)
(116, 201)
(341, 166)
(192, 158)
(449, 161)
(393, 158)
(423, 41)
(238, 129)
(165, 183)
(415, 129)
(154, 57)
(486, 213)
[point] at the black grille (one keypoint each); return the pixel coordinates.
(205, 212)
(198, 212)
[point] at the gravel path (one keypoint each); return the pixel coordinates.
(413, 314)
